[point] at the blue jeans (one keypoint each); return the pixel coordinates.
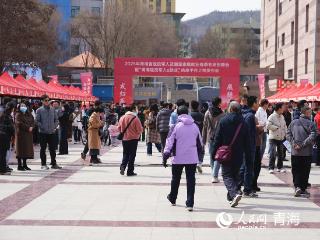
(215, 165)
(246, 172)
(149, 147)
(230, 175)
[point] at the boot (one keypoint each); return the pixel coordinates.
(25, 166)
(20, 168)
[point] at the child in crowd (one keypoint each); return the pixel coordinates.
(114, 132)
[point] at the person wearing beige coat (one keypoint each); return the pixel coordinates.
(94, 140)
(277, 134)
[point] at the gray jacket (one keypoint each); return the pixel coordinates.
(302, 132)
(47, 120)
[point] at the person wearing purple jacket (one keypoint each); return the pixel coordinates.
(183, 144)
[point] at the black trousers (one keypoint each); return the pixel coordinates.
(231, 178)
(129, 155)
(63, 144)
(275, 150)
(191, 182)
(3, 161)
(76, 134)
(45, 140)
(163, 137)
(301, 167)
(257, 167)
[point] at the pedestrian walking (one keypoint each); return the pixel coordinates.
(94, 140)
(7, 132)
(77, 125)
(47, 120)
(210, 124)
(153, 135)
(258, 159)
(130, 127)
(185, 144)
(24, 136)
(247, 168)
(226, 133)
(162, 123)
(64, 126)
(277, 133)
(262, 117)
(198, 118)
(301, 134)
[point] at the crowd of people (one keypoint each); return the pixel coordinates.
(236, 138)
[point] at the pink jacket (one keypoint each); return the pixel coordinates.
(135, 129)
(113, 130)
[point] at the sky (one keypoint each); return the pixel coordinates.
(196, 8)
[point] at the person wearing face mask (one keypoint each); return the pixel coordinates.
(76, 125)
(24, 136)
(6, 136)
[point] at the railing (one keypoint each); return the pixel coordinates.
(105, 80)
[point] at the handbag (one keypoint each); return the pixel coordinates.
(121, 134)
(224, 153)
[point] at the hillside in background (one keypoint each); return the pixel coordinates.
(197, 27)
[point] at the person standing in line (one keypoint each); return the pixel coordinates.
(77, 125)
(185, 144)
(210, 123)
(131, 128)
(277, 133)
(47, 120)
(94, 140)
(64, 124)
(301, 134)
(258, 158)
(198, 118)
(24, 137)
(153, 135)
(262, 117)
(162, 124)
(7, 132)
(247, 168)
(225, 133)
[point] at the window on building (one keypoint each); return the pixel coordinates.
(307, 18)
(283, 39)
(306, 60)
(292, 32)
(158, 6)
(95, 11)
(267, 43)
(168, 5)
(280, 8)
(290, 73)
(75, 10)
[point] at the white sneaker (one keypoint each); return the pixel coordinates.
(282, 170)
(215, 180)
(44, 167)
(271, 171)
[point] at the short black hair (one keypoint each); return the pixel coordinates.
(44, 97)
(195, 105)
(97, 103)
(251, 101)
(301, 103)
(264, 102)
(278, 106)
(182, 110)
(181, 102)
(216, 101)
(170, 106)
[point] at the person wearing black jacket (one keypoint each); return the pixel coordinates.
(7, 132)
(198, 118)
(247, 168)
(162, 123)
(225, 133)
(64, 122)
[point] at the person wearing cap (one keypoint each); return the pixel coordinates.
(47, 120)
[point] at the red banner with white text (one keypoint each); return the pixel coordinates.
(87, 82)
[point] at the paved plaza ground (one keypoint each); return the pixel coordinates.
(82, 202)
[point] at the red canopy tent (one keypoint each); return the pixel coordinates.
(32, 92)
(40, 90)
(10, 86)
(314, 95)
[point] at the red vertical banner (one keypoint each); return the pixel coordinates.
(54, 79)
(87, 82)
(123, 90)
(280, 84)
(261, 81)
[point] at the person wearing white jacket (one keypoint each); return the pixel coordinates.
(277, 134)
(77, 125)
(262, 117)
